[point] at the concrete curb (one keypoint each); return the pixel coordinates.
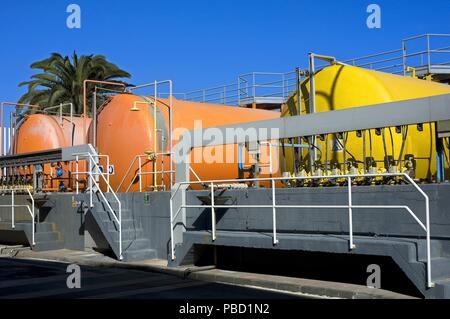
(209, 274)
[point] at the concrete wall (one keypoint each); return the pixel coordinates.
(54, 208)
(152, 213)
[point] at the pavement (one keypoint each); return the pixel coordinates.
(32, 279)
(274, 286)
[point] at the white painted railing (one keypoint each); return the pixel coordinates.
(93, 173)
(29, 210)
(350, 206)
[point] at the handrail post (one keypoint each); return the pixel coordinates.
(428, 53)
(350, 212)
(107, 173)
(140, 173)
(404, 56)
(213, 214)
(90, 183)
(254, 86)
(427, 214)
(12, 209)
(172, 246)
(120, 230)
(76, 175)
(32, 217)
(239, 91)
(274, 214)
(427, 226)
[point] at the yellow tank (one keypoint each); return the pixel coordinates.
(343, 86)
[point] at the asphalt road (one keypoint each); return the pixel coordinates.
(28, 279)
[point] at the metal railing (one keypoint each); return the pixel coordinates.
(100, 171)
(251, 86)
(247, 89)
(8, 133)
(139, 173)
(397, 61)
(274, 206)
(155, 85)
(93, 173)
(13, 205)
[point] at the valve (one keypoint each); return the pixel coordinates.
(409, 166)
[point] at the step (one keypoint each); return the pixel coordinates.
(21, 226)
(436, 249)
(127, 224)
(45, 227)
(47, 236)
(141, 254)
(48, 245)
(107, 215)
(440, 268)
(127, 235)
(135, 244)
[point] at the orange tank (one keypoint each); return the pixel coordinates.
(126, 129)
(39, 132)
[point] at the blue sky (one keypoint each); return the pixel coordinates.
(202, 43)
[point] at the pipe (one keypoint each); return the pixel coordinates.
(155, 144)
(364, 151)
(155, 133)
(95, 81)
(85, 96)
(312, 90)
(2, 117)
(12, 116)
(60, 106)
(312, 71)
(170, 117)
(94, 118)
(326, 155)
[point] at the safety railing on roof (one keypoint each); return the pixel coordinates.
(247, 89)
(434, 50)
(419, 52)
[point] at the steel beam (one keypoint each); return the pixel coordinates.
(423, 110)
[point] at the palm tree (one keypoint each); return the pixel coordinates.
(61, 80)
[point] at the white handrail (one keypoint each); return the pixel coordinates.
(30, 211)
(92, 181)
(349, 207)
(77, 172)
(117, 218)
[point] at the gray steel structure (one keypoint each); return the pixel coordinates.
(415, 111)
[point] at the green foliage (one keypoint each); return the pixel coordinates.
(61, 80)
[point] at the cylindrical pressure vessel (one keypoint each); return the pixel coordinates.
(342, 86)
(37, 132)
(127, 127)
